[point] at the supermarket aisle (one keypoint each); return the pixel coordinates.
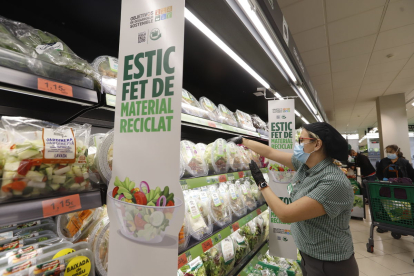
(390, 257)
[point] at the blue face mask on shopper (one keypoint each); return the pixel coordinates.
(392, 156)
(299, 154)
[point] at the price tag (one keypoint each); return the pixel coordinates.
(258, 211)
(207, 245)
(235, 226)
(57, 206)
(211, 124)
(54, 87)
(241, 174)
(182, 260)
(222, 178)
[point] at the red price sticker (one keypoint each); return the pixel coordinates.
(211, 124)
(258, 211)
(207, 245)
(241, 174)
(182, 260)
(236, 226)
(54, 87)
(222, 178)
(57, 206)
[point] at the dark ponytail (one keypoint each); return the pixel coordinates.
(397, 150)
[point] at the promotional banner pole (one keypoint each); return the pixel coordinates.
(145, 200)
(281, 137)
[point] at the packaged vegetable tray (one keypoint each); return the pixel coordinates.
(209, 106)
(104, 157)
(45, 158)
(107, 68)
(31, 239)
(35, 229)
(21, 249)
(225, 116)
(247, 195)
(190, 105)
(241, 246)
(101, 249)
(12, 227)
(219, 156)
(219, 260)
(194, 162)
(235, 201)
(244, 120)
(236, 161)
(219, 210)
(73, 225)
(89, 234)
(95, 140)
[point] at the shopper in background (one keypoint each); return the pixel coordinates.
(394, 165)
(322, 199)
(367, 170)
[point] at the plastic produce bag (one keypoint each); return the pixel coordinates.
(257, 122)
(194, 161)
(197, 226)
(223, 189)
(218, 208)
(254, 156)
(107, 67)
(101, 249)
(225, 116)
(259, 228)
(45, 158)
(104, 157)
(265, 216)
(245, 159)
(95, 140)
(219, 260)
(257, 194)
(251, 233)
(241, 246)
(247, 195)
(234, 158)
(182, 166)
(195, 267)
(183, 237)
(209, 106)
(202, 198)
(190, 105)
(235, 201)
(219, 156)
(244, 120)
(208, 159)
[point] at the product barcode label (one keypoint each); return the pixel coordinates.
(220, 146)
(194, 211)
(216, 199)
(113, 63)
(203, 196)
(244, 189)
(232, 192)
(142, 37)
(222, 191)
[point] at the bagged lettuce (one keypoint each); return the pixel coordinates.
(220, 259)
(225, 116)
(218, 208)
(246, 193)
(193, 160)
(209, 106)
(235, 201)
(241, 246)
(236, 161)
(197, 226)
(195, 268)
(219, 156)
(251, 233)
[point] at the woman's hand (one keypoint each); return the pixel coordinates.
(256, 173)
(237, 140)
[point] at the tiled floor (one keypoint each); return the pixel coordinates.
(390, 257)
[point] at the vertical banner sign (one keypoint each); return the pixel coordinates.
(147, 211)
(282, 137)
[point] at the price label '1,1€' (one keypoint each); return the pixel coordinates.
(57, 206)
(54, 87)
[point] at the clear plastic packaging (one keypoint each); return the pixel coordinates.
(257, 122)
(219, 260)
(24, 248)
(194, 162)
(6, 246)
(196, 268)
(257, 194)
(249, 231)
(209, 106)
(225, 116)
(219, 156)
(12, 227)
(104, 157)
(73, 225)
(254, 156)
(182, 166)
(234, 158)
(241, 246)
(190, 105)
(97, 229)
(183, 236)
(223, 189)
(244, 120)
(101, 249)
(35, 229)
(246, 194)
(260, 228)
(107, 68)
(45, 158)
(218, 208)
(197, 225)
(244, 158)
(207, 158)
(202, 197)
(30, 233)
(95, 140)
(235, 201)
(266, 218)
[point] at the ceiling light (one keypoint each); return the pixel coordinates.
(279, 96)
(307, 100)
(319, 118)
(304, 119)
(203, 28)
(298, 114)
(258, 94)
(412, 103)
(251, 14)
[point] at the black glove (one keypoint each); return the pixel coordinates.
(237, 140)
(256, 173)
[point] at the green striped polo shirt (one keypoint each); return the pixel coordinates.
(327, 237)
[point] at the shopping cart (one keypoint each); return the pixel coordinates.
(392, 209)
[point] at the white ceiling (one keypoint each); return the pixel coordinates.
(345, 44)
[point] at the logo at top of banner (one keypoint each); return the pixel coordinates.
(164, 13)
(155, 34)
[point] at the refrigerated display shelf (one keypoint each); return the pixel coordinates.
(196, 248)
(244, 270)
(197, 182)
(32, 209)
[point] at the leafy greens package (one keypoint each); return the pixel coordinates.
(245, 159)
(220, 259)
(197, 226)
(258, 123)
(251, 233)
(235, 201)
(265, 216)
(194, 161)
(107, 68)
(247, 195)
(202, 197)
(241, 246)
(219, 156)
(209, 106)
(194, 268)
(244, 120)
(190, 105)
(225, 116)
(218, 208)
(234, 158)
(45, 158)
(257, 194)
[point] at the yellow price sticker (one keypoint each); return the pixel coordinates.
(63, 252)
(79, 266)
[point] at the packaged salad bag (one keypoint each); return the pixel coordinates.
(218, 208)
(197, 226)
(241, 246)
(195, 268)
(246, 193)
(234, 158)
(225, 116)
(194, 163)
(235, 201)
(244, 120)
(202, 197)
(107, 68)
(220, 259)
(219, 157)
(251, 233)
(191, 106)
(210, 107)
(45, 158)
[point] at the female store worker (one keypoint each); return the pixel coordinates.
(394, 165)
(322, 199)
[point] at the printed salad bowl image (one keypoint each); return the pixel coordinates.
(143, 213)
(281, 174)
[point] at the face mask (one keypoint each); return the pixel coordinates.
(299, 154)
(392, 156)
